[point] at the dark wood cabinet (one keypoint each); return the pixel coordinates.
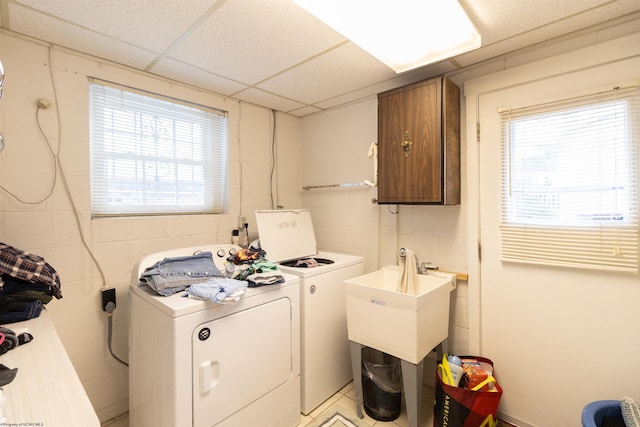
(419, 144)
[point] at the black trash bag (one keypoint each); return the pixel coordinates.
(381, 384)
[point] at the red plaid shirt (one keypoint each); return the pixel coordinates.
(28, 267)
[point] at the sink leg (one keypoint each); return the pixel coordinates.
(412, 378)
(356, 368)
(441, 350)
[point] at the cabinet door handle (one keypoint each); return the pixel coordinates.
(406, 143)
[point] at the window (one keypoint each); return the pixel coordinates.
(154, 155)
(569, 192)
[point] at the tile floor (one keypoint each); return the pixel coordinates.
(344, 402)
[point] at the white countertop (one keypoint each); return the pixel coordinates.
(46, 390)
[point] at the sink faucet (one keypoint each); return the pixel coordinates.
(425, 267)
(422, 268)
(403, 254)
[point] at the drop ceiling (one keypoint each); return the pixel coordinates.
(273, 53)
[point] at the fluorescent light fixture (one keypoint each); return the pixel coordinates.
(403, 34)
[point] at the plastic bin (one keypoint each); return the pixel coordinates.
(381, 384)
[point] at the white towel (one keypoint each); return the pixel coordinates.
(408, 273)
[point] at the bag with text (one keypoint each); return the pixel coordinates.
(474, 403)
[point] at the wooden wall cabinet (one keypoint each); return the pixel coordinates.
(419, 144)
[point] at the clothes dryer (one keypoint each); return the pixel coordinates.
(288, 238)
(198, 363)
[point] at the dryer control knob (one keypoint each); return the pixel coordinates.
(204, 334)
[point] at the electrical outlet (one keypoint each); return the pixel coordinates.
(108, 296)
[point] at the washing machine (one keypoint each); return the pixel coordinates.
(289, 239)
(198, 363)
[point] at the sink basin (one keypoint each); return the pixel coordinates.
(404, 325)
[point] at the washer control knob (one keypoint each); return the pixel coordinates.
(220, 252)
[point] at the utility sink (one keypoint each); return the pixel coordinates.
(404, 325)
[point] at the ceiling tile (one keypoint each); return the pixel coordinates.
(54, 31)
(151, 24)
(497, 20)
(344, 69)
(539, 27)
(259, 97)
(252, 40)
(399, 80)
(304, 111)
(194, 76)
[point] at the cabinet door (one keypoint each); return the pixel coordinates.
(410, 144)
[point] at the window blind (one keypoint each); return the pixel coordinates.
(154, 155)
(569, 195)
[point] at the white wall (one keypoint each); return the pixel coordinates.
(49, 228)
(335, 149)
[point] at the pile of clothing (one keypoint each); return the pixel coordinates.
(10, 339)
(199, 277)
(251, 264)
(27, 283)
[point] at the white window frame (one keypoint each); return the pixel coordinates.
(154, 155)
(536, 226)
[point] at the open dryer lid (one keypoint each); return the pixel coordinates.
(286, 234)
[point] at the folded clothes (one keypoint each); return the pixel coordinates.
(11, 285)
(268, 278)
(15, 309)
(264, 265)
(175, 274)
(216, 290)
(28, 267)
(242, 271)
